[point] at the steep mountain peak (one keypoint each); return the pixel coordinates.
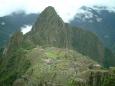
(48, 17)
(49, 28)
(50, 9)
(49, 12)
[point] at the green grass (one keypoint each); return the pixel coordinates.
(54, 53)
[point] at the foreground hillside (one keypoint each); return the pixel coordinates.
(54, 54)
(48, 66)
(51, 66)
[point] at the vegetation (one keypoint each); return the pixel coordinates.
(13, 67)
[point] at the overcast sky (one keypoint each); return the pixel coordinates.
(65, 8)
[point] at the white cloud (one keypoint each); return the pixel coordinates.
(26, 29)
(99, 19)
(3, 23)
(66, 8)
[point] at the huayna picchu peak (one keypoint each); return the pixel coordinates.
(49, 17)
(49, 29)
(54, 53)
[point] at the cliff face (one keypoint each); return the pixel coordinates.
(102, 77)
(96, 77)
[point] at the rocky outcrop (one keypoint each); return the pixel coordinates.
(14, 43)
(97, 77)
(101, 77)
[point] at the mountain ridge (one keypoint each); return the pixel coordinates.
(99, 20)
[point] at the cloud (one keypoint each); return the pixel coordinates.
(26, 29)
(65, 8)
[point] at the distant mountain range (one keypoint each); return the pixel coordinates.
(12, 23)
(99, 20)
